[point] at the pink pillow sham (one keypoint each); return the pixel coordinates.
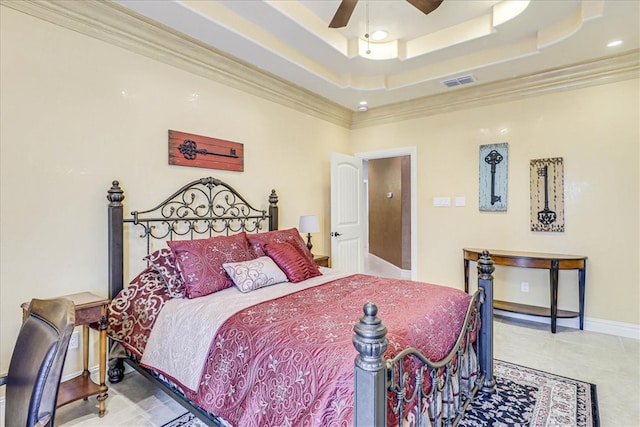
(133, 312)
(165, 263)
(200, 262)
(290, 260)
(257, 241)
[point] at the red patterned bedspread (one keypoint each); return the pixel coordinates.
(290, 361)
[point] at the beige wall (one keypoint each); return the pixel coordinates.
(595, 130)
(77, 113)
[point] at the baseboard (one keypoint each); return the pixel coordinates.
(609, 327)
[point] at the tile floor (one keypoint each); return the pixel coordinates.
(612, 363)
(379, 267)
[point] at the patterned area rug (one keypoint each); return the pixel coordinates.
(528, 397)
(524, 397)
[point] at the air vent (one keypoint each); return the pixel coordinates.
(458, 81)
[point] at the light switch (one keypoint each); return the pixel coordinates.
(460, 201)
(441, 202)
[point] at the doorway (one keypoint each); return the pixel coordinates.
(375, 264)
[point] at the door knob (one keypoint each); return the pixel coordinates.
(335, 234)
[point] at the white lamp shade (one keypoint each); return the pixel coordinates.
(309, 224)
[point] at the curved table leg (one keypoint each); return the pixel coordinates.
(554, 294)
(582, 278)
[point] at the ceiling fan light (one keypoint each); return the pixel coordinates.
(379, 35)
(379, 50)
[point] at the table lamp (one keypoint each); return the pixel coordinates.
(309, 224)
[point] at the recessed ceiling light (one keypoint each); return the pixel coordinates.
(614, 43)
(379, 35)
(363, 106)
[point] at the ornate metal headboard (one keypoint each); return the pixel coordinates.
(202, 208)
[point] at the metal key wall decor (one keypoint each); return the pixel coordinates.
(547, 194)
(493, 177)
(187, 149)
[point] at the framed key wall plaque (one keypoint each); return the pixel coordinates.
(186, 149)
(547, 194)
(493, 177)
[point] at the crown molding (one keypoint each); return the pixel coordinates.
(601, 71)
(119, 26)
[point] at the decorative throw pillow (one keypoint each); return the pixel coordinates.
(164, 262)
(200, 262)
(290, 260)
(257, 241)
(133, 312)
(254, 274)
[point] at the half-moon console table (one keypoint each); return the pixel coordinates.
(551, 262)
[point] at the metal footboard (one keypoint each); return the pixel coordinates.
(416, 390)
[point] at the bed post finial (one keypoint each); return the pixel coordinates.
(273, 211)
(370, 340)
(115, 195)
(485, 266)
(485, 284)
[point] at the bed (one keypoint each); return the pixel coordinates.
(231, 316)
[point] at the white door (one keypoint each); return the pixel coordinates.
(347, 213)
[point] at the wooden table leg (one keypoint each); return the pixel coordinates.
(466, 275)
(102, 363)
(85, 349)
(582, 278)
(85, 354)
(553, 273)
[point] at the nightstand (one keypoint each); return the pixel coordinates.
(321, 260)
(90, 309)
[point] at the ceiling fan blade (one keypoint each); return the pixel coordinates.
(341, 18)
(425, 6)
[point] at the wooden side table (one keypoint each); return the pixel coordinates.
(551, 262)
(321, 260)
(90, 309)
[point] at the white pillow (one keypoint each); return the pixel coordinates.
(254, 274)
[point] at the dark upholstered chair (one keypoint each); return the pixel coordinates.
(35, 369)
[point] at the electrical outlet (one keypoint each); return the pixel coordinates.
(524, 287)
(73, 342)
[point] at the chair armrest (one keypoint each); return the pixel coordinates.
(3, 379)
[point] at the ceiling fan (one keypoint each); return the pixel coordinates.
(341, 18)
